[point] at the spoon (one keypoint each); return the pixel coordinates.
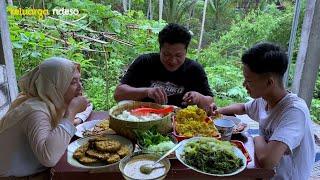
(148, 168)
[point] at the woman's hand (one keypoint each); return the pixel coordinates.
(77, 121)
(77, 104)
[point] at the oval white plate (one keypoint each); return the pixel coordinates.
(236, 150)
(88, 125)
(77, 143)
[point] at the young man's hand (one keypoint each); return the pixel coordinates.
(158, 94)
(269, 153)
(212, 110)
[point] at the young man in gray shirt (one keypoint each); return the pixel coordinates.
(286, 141)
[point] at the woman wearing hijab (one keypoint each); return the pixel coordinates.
(38, 127)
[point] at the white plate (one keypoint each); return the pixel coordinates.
(88, 125)
(79, 142)
(236, 150)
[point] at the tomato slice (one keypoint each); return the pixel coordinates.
(145, 111)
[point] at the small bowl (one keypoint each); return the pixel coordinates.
(225, 127)
(237, 123)
(135, 157)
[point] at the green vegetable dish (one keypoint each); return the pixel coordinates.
(153, 141)
(212, 156)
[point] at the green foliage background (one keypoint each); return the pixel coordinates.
(103, 64)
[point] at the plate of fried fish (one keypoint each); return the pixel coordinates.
(94, 128)
(98, 151)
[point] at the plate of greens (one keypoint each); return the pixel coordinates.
(151, 141)
(211, 157)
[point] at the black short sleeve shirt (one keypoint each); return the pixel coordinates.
(148, 71)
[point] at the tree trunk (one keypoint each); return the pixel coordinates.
(308, 60)
(191, 13)
(6, 55)
(129, 4)
(149, 13)
(10, 2)
(160, 9)
(125, 5)
(292, 39)
(202, 25)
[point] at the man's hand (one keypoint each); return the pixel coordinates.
(204, 102)
(192, 97)
(158, 94)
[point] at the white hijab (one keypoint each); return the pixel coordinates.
(42, 89)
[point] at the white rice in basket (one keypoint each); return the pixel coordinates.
(126, 115)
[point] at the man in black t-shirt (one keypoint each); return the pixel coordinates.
(167, 77)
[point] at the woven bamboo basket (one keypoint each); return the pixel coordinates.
(126, 128)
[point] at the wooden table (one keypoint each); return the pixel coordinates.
(178, 171)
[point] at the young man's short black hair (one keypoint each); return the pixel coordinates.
(266, 58)
(174, 33)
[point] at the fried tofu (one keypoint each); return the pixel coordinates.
(113, 158)
(123, 151)
(96, 154)
(80, 152)
(109, 146)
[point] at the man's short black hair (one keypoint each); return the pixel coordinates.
(174, 33)
(266, 58)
